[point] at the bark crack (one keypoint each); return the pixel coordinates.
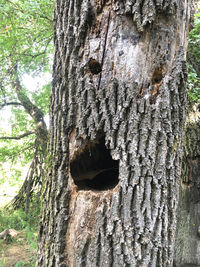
(104, 48)
(84, 253)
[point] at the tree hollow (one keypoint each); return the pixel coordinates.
(94, 169)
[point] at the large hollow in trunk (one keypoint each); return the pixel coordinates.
(94, 168)
(117, 115)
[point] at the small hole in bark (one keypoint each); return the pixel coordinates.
(94, 169)
(94, 66)
(157, 76)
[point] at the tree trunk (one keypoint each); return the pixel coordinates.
(35, 174)
(187, 248)
(117, 115)
(33, 182)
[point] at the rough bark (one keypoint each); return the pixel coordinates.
(118, 89)
(187, 248)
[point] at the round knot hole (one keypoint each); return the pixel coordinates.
(94, 66)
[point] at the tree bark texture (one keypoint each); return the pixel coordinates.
(187, 248)
(117, 115)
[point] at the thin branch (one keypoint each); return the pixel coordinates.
(31, 55)
(17, 137)
(44, 17)
(10, 104)
(45, 50)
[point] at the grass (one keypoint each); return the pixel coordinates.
(19, 251)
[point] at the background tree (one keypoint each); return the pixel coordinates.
(117, 116)
(188, 225)
(26, 51)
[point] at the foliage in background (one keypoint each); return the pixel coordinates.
(19, 221)
(194, 61)
(26, 32)
(26, 41)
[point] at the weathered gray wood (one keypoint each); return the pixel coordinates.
(119, 72)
